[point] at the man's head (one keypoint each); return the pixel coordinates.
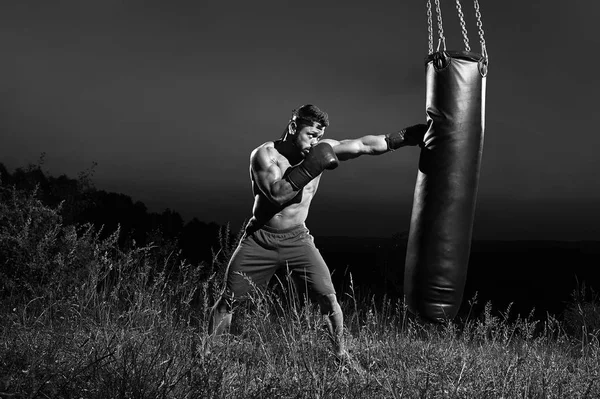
(306, 127)
(309, 114)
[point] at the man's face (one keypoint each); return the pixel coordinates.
(308, 136)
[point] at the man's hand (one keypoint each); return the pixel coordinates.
(412, 135)
(319, 158)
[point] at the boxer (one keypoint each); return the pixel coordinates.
(285, 175)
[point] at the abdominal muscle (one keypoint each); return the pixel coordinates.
(266, 213)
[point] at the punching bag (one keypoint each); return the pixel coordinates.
(439, 241)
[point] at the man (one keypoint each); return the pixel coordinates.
(285, 175)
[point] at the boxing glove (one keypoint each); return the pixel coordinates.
(412, 135)
(319, 158)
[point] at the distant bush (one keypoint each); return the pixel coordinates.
(39, 256)
(582, 314)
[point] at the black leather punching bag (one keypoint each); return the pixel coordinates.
(441, 224)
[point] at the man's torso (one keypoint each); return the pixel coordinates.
(293, 213)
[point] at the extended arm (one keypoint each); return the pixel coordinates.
(377, 144)
(366, 145)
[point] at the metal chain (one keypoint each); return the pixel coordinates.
(480, 26)
(430, 26)
(442, 38)
(440, 27)
(463, 26)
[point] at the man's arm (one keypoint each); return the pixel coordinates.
(269, 177)
(377, 144)
(280, 187)
(366, 145)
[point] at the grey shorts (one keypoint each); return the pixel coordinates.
(262, 252)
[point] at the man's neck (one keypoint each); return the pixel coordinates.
(288, 150)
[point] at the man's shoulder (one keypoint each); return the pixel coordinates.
(267, 148)
(264, 153)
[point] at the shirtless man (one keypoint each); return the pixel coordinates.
(285, 175)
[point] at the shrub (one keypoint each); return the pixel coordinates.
(582, 314)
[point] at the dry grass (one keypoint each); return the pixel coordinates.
(80, 318)
(64, 349)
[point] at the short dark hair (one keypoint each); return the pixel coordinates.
(307, 114)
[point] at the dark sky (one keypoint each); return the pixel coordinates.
(170, 98)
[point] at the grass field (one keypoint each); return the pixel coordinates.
(140, 344)
(82, 318)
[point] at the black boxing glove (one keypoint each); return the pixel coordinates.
(319, 158)
(412, 135)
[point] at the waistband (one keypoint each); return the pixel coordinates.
(283, 231)
(299, 227)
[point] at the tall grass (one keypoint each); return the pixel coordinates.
(82, 318)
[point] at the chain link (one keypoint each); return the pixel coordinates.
(440, 27)
(430, 26)
(442, 38)
(480, 27)
(463, 26)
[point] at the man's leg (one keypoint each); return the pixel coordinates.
(250, 261)
(221, 313)
(219, 322)
(334, 321)
(220, 319)
(310, 271)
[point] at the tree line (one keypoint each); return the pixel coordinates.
(79, 202)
